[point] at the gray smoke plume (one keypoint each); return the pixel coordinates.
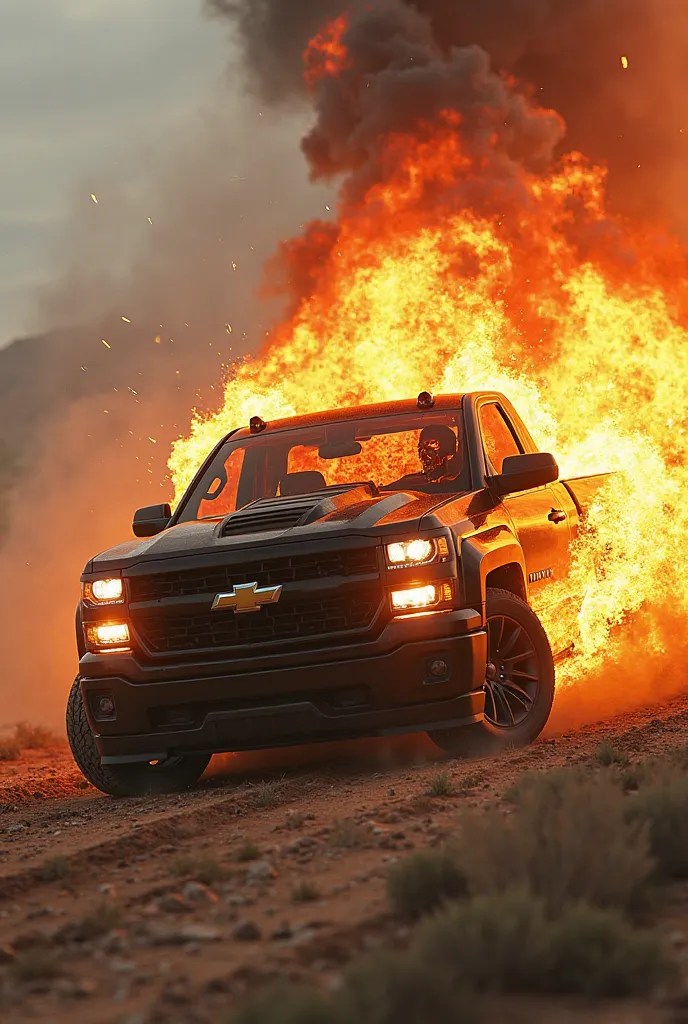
(569, 54)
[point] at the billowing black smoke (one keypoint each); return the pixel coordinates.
(635, 118)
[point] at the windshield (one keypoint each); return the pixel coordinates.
(422, 451)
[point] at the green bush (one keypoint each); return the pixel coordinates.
(568, 839)
(441, 785)
(425, 881)
(662, 806)
(283, 1003)
(506, 943)
(607, 755)
(597, 953)
(200, 868)
(497, 942)
(389, 987)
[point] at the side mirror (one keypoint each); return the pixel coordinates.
(151, 520)
(523, 472)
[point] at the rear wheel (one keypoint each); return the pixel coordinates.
(519, 681)
(148, 778)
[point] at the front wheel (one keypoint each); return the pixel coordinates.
(145, 779)
(519, 682)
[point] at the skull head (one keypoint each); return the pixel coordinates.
(436, 445)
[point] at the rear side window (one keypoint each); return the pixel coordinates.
(499, 439)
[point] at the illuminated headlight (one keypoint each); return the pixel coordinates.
(108, 635)
(411, 552)
(419, 598)
(104, 591)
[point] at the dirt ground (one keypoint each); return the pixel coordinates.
(170, 909)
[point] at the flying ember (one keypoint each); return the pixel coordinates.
(465, 257)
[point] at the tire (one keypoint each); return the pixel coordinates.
(170, 776)
(519, 682)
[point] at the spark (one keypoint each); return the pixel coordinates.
(228, 328)
(152, 440)
(94, 197)
(150, 221)
(106, 343)
(624, 63)
(158, 339)
(126, 319)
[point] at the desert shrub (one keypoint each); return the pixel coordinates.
(199, 868)
(37, 964)
(33, 737)
(283, 1003)
(598, 953)
(424, 881)
(441, 785)
(268, 794)
(9, 750)
(247, 851)
(100, 921)
(497, 942)
(569, 839)
(389, 987)
(662, 805)
(505, 942)
(305, 892)
(55, 869)
(347, 834)
(607, 755)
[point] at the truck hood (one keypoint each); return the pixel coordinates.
(321, 516)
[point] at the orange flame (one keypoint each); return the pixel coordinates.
(578, 318)
(326, 53)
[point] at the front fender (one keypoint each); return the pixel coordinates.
(482, 553)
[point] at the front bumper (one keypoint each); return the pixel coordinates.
(372, 689)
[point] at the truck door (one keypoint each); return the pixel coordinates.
(540, 516)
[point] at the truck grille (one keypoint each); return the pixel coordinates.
(351, 608)
(266, 573)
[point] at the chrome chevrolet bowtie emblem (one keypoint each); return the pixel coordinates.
(247, 597)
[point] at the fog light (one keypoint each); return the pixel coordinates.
(415, 598)
(106, 706)
(110, 635)
(438, 668)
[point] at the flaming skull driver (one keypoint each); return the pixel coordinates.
(315, 583)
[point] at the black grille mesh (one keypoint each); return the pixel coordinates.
(350, 608)
(266, 573)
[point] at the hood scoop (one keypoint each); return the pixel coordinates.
(269, 514)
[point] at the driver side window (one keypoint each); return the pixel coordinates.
(498, 437)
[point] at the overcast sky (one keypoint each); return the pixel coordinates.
(82, 82)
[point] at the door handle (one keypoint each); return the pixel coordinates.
(557, 515)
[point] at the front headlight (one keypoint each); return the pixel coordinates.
(419, 551)
(109, 591)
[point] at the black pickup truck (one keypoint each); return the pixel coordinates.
(352, 573)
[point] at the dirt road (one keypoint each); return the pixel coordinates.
(169, 909)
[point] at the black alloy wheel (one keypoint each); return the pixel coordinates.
(519, 682)
(512, 675)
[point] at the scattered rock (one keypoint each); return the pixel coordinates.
(200, 933)
(284, 931)
(199, 894)
(173, 903)
(247, 931)
(261, 869)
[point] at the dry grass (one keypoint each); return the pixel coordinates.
(346, 834)
(199, 868)
(34, 965)
(247, 851)
(268, 794)
(9, 750)
(56, 868)
(305, 892)
(441, 785)
(661, 804)
(607, 755)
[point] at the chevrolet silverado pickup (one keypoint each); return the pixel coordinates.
(353, 573)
